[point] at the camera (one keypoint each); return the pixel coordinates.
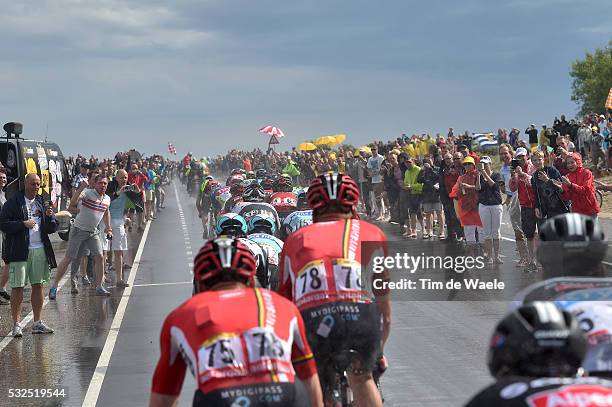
(515, 163)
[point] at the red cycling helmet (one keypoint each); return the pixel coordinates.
(332, 187)
(212, 184)
(224, 259)
(236, 189)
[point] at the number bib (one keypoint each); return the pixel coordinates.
(221, 357)
(224, 356)
(267, 352)
(310, 281)
(347, 275)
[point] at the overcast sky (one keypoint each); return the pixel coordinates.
(109, 75)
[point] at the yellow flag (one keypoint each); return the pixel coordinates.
(609, 101)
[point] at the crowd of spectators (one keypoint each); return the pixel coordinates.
(111, 201)
(449, 183)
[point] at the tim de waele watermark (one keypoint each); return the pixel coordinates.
(403, 262)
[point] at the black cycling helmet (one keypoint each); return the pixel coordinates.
(571, 245)
(261, 173)
(537, 340)
(253, 193)
(250, 175)
(282, 184)
(302, 202)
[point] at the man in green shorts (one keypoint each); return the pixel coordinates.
(27, 222)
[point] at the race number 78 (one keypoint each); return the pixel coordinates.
(311, 278)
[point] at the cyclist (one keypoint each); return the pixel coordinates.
(283, 199)
(298, 219)
(253, 204)
(235, 174)
(260, 175)
(236, 190)
(204, 201)
(321, 272)
(250, 175)
(535, 353)
(234, 225)
(267, 184)
(571, 250)
(244, 345)
(261, 231)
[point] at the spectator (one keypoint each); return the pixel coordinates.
(548, 202)
(375, 166)
(149, 186)
(392, 179)
(136, 203)
(92, 209)
(532, 134)
(544, 139)
(81, 177)
(584, 139)
(514, 137)
(414, 189)
(430, 199)
(490, 185)
(506, 154)
(521, 183)
(467, 197)
(363, 179)
(465, 151)
(597, 149)
(117, 189)
(27, 222)
(450, 172)
(558, 158)
(578, 187)
(4, 273)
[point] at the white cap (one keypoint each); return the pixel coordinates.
(485, 159)
(521, 151)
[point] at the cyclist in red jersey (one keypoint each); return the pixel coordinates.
(244, 345)
(321, 271)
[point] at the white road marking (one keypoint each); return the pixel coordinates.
(25, 321)
(93, 391)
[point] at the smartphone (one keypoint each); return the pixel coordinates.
(514, 163)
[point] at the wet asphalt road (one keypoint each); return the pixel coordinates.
(436, 349)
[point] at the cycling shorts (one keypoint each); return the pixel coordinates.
(255, 395)
(334, 329)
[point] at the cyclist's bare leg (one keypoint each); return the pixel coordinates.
(365, 392)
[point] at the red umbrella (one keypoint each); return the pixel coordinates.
(272, 131)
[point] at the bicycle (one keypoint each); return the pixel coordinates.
(339, 394)
(600, 193)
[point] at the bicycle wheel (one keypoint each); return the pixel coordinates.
(600, 197)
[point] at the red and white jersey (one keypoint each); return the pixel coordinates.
(322, 263)
(233, 338)
(284, 201)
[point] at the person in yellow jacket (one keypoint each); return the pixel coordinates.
(409, 149)
(414, 198)
(544, 139)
